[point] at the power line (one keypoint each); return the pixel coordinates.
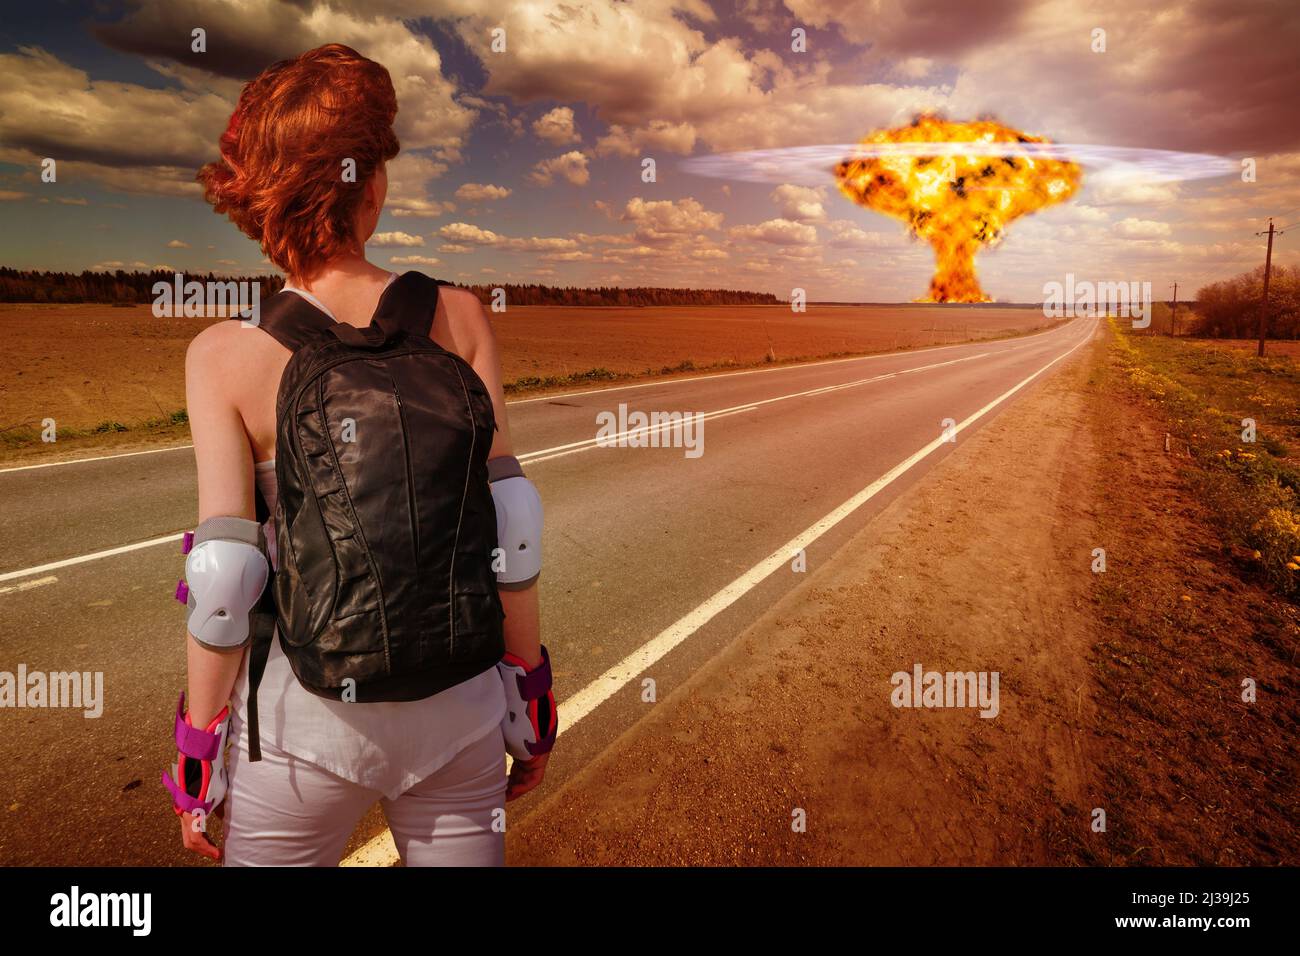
(1268, 268)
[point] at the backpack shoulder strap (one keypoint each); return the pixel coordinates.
(292, 321)
(408, 304)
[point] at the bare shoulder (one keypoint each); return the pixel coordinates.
(225, 353)
(462, 320)
(208, 349)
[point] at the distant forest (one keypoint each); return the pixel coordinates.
(137, 288)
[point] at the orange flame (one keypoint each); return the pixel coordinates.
(956, 203)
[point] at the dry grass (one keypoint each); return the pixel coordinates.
(108, 374)
(1192, 772)
(1210, 391)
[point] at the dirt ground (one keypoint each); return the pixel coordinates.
(1119, 690)
(84, 365)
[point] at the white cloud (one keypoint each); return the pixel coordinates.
(1133, 228)
(464, 234)
(245, 36)
(51, 109)
(408, 187)
(571, 166)
(650, 72)
(777, 232)
(800, 203)
(556, 127)
(388, 240)
(668, 220)
(656, 135)
(847, 234)
(481, 192)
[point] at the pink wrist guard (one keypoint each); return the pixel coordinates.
(200, 769)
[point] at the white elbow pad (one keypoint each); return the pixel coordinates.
(225, 574)
(519, 524)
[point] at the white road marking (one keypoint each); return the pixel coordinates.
(545, 454)
(559, 451)
(611, 388)
(575, 708)
(95, 556)
(82, 461)
(785, 368)
(28, 585)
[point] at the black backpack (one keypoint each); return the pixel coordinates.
(384, 522)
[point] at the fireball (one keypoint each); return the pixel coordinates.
(955, 197)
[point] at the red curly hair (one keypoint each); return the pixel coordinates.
(280, 176)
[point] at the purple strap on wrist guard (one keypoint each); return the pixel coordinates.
(182, 591)
(194, 742)
(537, 681)
(183, 801)
(544, 745)
(187, 542)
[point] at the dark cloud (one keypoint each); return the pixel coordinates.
(238, 46)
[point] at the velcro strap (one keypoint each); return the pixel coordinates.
(193, 742)
(547, 743)
(504, 466)
(536, 682)
(182, 802)
(229, 528)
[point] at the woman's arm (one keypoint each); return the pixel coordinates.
(225, 473)
(225, 477)
(476, 343)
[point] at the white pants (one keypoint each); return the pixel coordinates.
(283, 811)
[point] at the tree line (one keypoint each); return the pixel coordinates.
(1230, 308)
(534, 294)
(115, 288)
(129, 288)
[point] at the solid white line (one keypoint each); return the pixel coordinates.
(533, 458)
(546, 454)
(575, 708)
(80, 461)
(615, 388)
(68, 562)
(901, 353)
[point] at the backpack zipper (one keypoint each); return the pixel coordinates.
(410, 480)
(460, 517)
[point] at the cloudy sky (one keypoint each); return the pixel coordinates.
(525, 165)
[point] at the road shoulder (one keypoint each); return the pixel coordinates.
(982, 566)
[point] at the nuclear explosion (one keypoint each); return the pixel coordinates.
(957, 199)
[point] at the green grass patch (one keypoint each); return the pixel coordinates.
(1211, 393)
(24, 436)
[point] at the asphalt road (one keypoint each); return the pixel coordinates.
(654, 558)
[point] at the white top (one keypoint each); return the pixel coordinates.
(386, 746)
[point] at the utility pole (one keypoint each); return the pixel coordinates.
(1173, 316)
(1263, 309)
